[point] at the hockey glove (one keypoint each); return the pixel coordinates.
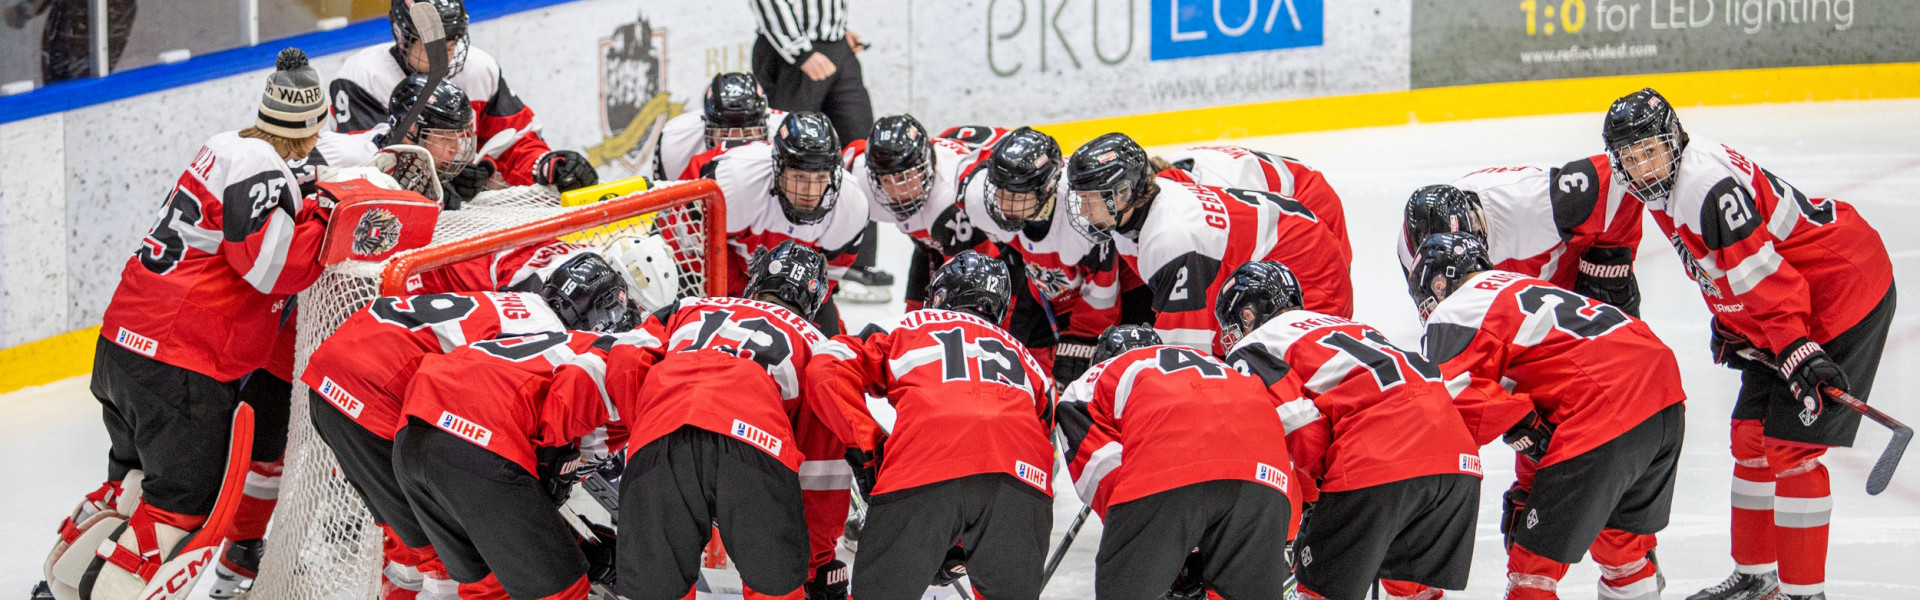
(553, 474)
(1071, 359)
(1806, 367)
(464, 186)
(1606, 274)
(1730, 348)
(1511, 503)
(866, 467)
(829, 582)
(1529, 437)
(952, 568)
(564, 169)
(601, 564)
(1188, 586)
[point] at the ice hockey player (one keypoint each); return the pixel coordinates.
(913, 181)
(1206, 467)
(1249, 169)
(721, 437)
(1014, 197)
(1573, 225)
(734, 111)
(510, 135)
(1181, 237)
(790, 189)
(1374, 437)
(970, 454)
(196, 310)
(1596, 403)
(356, 377)
(1803, 280)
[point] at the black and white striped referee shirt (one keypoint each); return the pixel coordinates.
(793, 25)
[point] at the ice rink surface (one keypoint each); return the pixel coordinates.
(1865, 153)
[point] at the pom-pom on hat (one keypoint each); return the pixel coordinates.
(293, 106)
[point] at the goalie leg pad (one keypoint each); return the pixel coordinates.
(141, 552)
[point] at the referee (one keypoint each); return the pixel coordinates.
(804, 58)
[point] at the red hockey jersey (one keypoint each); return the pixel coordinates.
(1162, 417)
(362, 369)
(1765, 255)
(1195, 236)
(685, 136)
(1365, 412)
(754, 219)
(1541, 221)
(1589, 368)
(363, 84)
(968, 399)
(233, 239)
(514, 395)
(1078, 279)
(1242, 168)
(521, 268)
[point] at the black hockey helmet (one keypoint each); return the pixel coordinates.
(974, 283)
(806, 144)
(445, 126)
(1025, 162)
(589, 295)
(1254, 293)
(1118, 339)
(735, 110)
(453, 20)
(1637, 117)
(899, 152)
(791, 272)
(1110, 172)
(1441, 263)
(1442, 208)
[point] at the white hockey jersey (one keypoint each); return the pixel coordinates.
(1243, 168)
(940, 224)
(502, 123)
(1076, 277)
(1541, 220)
(685, 136)
(755, 221)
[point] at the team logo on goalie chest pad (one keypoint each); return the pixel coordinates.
(377, 232)
(756, 436)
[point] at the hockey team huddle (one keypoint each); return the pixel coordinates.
(1176, 330)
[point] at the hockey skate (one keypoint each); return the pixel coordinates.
(233, 577)
(1743, 586)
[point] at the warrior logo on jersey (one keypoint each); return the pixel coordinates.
(632, 102)
(377, 232)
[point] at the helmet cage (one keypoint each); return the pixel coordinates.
(717, 137)
(827, 196)
(452, 149)
(1044, 198)
(918, 178)
(1664, 153)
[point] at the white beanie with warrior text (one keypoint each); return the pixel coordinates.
(293, 106)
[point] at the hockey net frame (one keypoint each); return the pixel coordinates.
(323, 544)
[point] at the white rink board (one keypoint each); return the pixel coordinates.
(52, 443)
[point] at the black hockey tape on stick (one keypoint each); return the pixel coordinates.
(426, 20)
(1882, 473)
(1060, 553)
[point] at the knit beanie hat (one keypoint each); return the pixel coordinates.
(293, 106)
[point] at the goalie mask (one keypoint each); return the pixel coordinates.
(793, 274)
(1254, 293)
(589, 295)
(1442, 209)
(445, 126)
(806, 167)
(974, 283)
(1644, 140)
(1106, 177)
(648, 262)
(406, 50)
(1441, 264)
(900, 165)
(1023, 176)
(735, 110)
(1119, 339)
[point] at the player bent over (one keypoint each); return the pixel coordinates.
(1374, 436)
(357, 376)
(1596, 402)
(969, 456)
(1804, 281)
(721, 437)
(196, 311)
(1206, 467)
(913, 181)
(1248, 169)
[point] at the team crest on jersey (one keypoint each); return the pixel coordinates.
(756, 436)
(377, 232)
(1694, 270)
(1030, 474)
(633, 103)
(1264, 473)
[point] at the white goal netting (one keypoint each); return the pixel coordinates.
(323, 543)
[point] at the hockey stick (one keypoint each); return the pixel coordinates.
(176, 577)
(1882, 472)
(1060, 553)
(426, 20)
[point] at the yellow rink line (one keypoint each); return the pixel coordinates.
(70, 354)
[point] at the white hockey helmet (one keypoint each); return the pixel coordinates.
(648, 261)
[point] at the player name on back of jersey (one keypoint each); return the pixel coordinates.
(807, 331)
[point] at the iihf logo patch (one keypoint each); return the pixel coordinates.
(1533, 517)
(1030, 474)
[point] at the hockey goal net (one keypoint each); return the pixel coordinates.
(323, 543)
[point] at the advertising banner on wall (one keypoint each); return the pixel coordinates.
(1464, 42)
(1013, 62)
